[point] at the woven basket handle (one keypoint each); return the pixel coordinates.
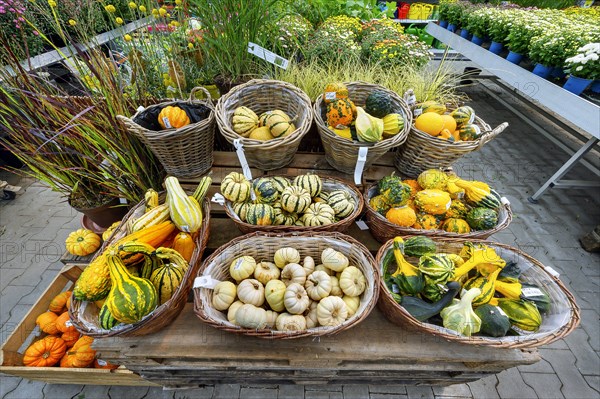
(488, 136)
(208, 99)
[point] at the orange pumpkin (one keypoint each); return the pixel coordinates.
(70, 337)
(44, 353)
(402, 216)
(426, 221)
(173, 117)
(339, 112)
(82, 242)
(58, 304)
(63, 323)
(79, 357)
(47, 322)
(103, 364)
(414, 186)
(68, 304)
(184, 244)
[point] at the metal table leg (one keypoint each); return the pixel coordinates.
(553, 181)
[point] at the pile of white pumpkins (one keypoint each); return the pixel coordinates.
(288, 296)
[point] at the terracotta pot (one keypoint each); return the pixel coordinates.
(105, 214)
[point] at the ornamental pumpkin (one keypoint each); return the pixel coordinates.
(332, 311)
(318, 285)
(166, 279)
(402, 216)
(274, 294)
(58, 304)
(293, 273)
(432, 179)
(286, 255)
(251, 291)
(70, 337)
(310, 315)
(454, 225)
(250, 316)
(289, 322)
(271, 319)
(47, 322)
(260, 215)
(45, 353)
(433, 201)
(184, 244)
(232, 310)
(242, 268)
(414, 185)
(79, 357)
(111, 229)
(458, 209)
(103, 364)
(64, 324)
(279, 124)
(368, 128)
(173, 117)
(397, 194)
(184, 210)
(334, 260)
(283, 217)
(280, 183)
(335, 287)
(244, 121)
(295, 199)
(224, 295)
(266, 271)
(340, 113)
(353, 281)
(309, 182)
(426, 221)
(295, 299)
(380, 204)
(82, 242)
(265, 190)
(334, 91)
(241, 209)
(342, 203)
(352, 304)
(235, 187)
(318, 214)
(308, 265)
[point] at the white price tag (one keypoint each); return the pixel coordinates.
(501, 311)
(218, 199)
(362, 225)
(205, 282)
(239, 150)
(166, 122)
(330, 95)
(531, 291)
(417, 112)
(360, 164)
(552, 271)
(68, 323)
(102, 362)
(140, 108)
(472, 119)
(410, 98)
(267, 55)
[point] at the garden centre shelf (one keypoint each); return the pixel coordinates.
(577, 110)
(415, 21)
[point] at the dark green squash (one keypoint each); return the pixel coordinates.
(421, 310)
(482, 218)
(379, 104)
(494, 322)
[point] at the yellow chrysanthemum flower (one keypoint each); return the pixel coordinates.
(162, 12)
(119, 21)
(174, 23)
(52, 3)
(155, 12)
(127, 38)
(178, 2)
(110, 8)
(72, 22)
(190, 45)
(132, 5)
(143, 8)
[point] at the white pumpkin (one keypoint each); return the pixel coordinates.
(332, 311)
(321, 268)
(250, 316)
(293, 273)
(295, 299)
(242, 267)
(266, 271)
(318, 285)
(271, 319)
(308, 265)
(286, 255)
(223, 295)
(310, 315)
(352, 302)
(334, 260)
(353, 281)
(251, 291)
(274, 292)
(231, 311)
(288, 322)
(335, 287)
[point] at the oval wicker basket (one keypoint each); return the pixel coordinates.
(261, 96)
(422, 151)
(563, 317)
(262, 246)
(342, 153)
(329, 184)
(84, 315)
(185, 152)
(384, 230)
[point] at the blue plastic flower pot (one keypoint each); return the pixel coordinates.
(595, 87)
(558, 73)
(443, 24)
(542, 71)
(451, 27)
(515, 58)
(477, 40)
(496, 47)
(465, 34)
(576, 85)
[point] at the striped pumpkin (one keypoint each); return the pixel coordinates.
(235, 187)
(342, 203)
(202, 188)
(265, 191)
(318, 214)
(166, 279)
(130, 298)
(241, 209)
(260, 215)
(244, 121)
(283, 217)
(295, 199)
(279, 123)
(280, 183)
(311, 183)
(321, 197)
(106, 319)
(184, 210)
(486, 284)
(154, 216)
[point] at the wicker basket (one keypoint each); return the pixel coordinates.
(262, 246)
(342, 153)
(84, 315)
(422, 151)
(329, 184)
(261, 96)
(185, 152)
(384, 230)
(563, 317)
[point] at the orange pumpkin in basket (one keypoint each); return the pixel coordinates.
(70, 337)
(47, 322)
(80, 357)
(58, 304)
(63, 323)
(44, 353)
(402, 216)
(184, 244)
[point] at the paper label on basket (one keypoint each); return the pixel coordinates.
(68, 323)
(362, 225)
(531, 291)
(472, 119)
(504, 201)
(410, 97)
(205, 282)
(520, 331)
(501, 311)
(330, 95)
(166, 122)
(218, 199)
(140, 108)
(417, 112)
(552, 271)
(102, 362)
(360, 164)
(267, 55)
(239, 149)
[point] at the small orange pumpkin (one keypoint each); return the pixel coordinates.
(68, 304)
(414, 186)
(47, 322)
(103, 364)
(184, 244)
(79, 357)
(173, 117)
(82, 242)
(426, 221)
(339, 112)
(58, 304)
(44, 353)
(63, 323)
(70, 337)
(402, 216)
(83, 340)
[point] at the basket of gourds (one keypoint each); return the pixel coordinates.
(354, 115)
(437, 138)
(268, 118)
(291, 203)
(436, 204)
(287, 285)
(138, 282)
(507, 298)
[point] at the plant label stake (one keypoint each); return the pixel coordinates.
(205, 282)
(267, 55)
(239, 149)
(360, 165)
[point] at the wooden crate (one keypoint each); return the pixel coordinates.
(11, 352)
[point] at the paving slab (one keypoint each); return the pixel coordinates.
(26, 389)
(420, 392)
(226, 391)
(290, 391)
(355, 391)
(546, 386)
(205, 392)
(573, 383)
(512, 385)
(485, 388)
(62, 391)
(387, 396)
(458, 390)
(322, 395)
(257, 393)
(8, 384)
(586, 359)
(388, 389)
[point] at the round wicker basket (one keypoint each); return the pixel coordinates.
(329, 184)
(384, 230)
(185, 152)
(261, 96)
(562, 318)
(422, 151)
(342, 153)
(84, 315)
(262, 246)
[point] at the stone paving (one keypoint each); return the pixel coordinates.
(33, 228)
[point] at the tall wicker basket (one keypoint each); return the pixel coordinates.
(185, 152)
(261, 96)
(342, 153)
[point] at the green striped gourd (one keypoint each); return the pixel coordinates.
(106, 319)
(318, 214)
(321, 197)
(265, 191)
(311, 183)
(463, 115)
(241, 209)
(522, 314)
(295, 199)
(202, 189)
(184, 210)
(486, 284)
(479, 194)
(438, 267)
(409, 279)
(166, 280)
(431, 106)
(418, 246)
(260, 215)
(283, 217)
(456, 225)
(244, 121)
(482, 218)
(130, 298)
(278, 122)
(280, 183)
(150, 199)
(154, 216)
(342, 203)
(235, 187)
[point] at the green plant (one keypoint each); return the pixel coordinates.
(478, 22)
(523, 27)
(17, 35)
(336, 47)
(402, 51)
(289, 34)
(373, 33)
(585, 64)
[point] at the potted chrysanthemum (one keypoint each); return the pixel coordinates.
(583, 68)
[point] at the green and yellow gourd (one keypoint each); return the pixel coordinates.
(379, 103)
(202, 189)
(184, 210)
(235, 187)
(342, 203)
(477, 255)
(130, 298)
(455, 225)
(380, 204)
(482, 218)
(392, 124)
(432, 179)
(260, 215)
(439, 268)
(433, 201)
(431, 106)
(166, 279)
(458, 210)
(469, 132)
(265, 191)
(154, 216)
(486, 284)
(334, 91)
(150, 199)
(295, 199)
(523, 315)
(279, 123)
(340, 113)
(463, 115)
(241, 209)
(244, 121)
(311, 183)
(368, 128)
(318, 214)
(408, 278)
(397, 194)
(106, 319)
(479, 194)
(494, 322)
(419, 245)
(283, 217)
(426, 221)
(387, 182)
(280, 183)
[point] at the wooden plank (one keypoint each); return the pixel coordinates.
(56, 375)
